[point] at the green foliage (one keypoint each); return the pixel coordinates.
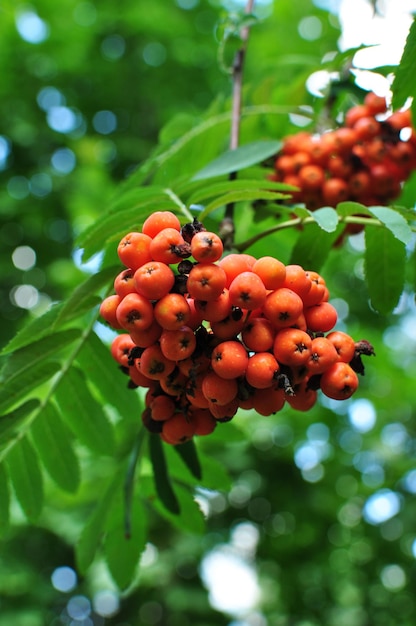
(75, 458)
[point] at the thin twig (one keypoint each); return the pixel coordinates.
(227, 228)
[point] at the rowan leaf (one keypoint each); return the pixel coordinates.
(161, 476)
(238, 159)
(53, 442)
(83, 413)
(385, 262)
(25, 474)
(4, 500)
(394, 221)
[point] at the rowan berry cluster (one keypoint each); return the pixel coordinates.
(366, 160)
(208, 334)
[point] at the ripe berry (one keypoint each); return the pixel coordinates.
(262, 369)
(229, 359)
(247, 291)
(159, 220)
(134, 312)
(134, 250)
(282, 307)
(153, 280)
(339, 381)
(206, 247)
(172, 311)
(206, 281)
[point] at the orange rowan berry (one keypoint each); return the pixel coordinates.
(153, 280)
(247, 291)
(178, 429)
(153, 363)
(334, 191)
(320, 317)
(194, 393)
(375, 104)
(224, 412)
(292, 347)
(360, 184)
(162, 408)
(258, 334)
(339, 167)
(355, 113)
(196, 316)
(268, 401)
(282, 307)
(203, 422)
(206, 281)
(304, 398)
(134, 312)
(229, 359)
(174, 383)
(318, 290)
(177, 345)
(367, 128)
(339, 381)
(285, 165)
(271, 271)
(159, 220)
(167, 246)
(297, 280)
(124, 283)
(206, 247)
(228, 327)
(120, 349)
(344, 139)
(323, 355)
(262, 369)
(214, 310)
(108, 310)
(233, 264)
(344, 345)
(311, 177)
(400, 119)
(138, 378)
(148, 336)
(194, 364)
(172, 311)
(134, 249)
(217, 389)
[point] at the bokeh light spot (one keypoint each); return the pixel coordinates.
(104, 122)
(310, 28)
(49, 97)
(113, 47)
(24, 258)
(362, 415)
(18, 187)
(79, 608)
(63, 161)
(31, 27)
(154, 54)
(64, 579)
(24, 296)
(393, 577)
(381, 506)
(106, 603)
(62, 119)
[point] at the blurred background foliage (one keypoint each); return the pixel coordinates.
(317, 526)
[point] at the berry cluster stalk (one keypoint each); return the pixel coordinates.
(227, 227)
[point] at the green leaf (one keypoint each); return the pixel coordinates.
(102, 371)
(83, 413)
(216, 189)
(53, 443)
(4, 501)
(189, 454)
(34, 330)
(161, 477)
(394, 221)
(29, 367)
(191, 518)
(404, 83)
(92, 534)
(313, 246)
(385, 261)
(241, 196)
(238, 159)
(122, 553)
(326, 218)
(12, 424)
(26, 477)
(15, 388)
(81, 300)
(347, 208)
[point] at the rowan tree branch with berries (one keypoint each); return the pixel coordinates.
(222, 304)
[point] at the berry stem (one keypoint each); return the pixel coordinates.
(172, 195)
